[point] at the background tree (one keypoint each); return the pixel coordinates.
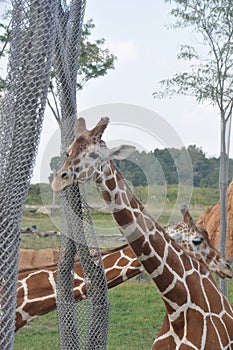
(210, 77)
(140, 170)
(4, 40)
(55, 164)
(94, 61)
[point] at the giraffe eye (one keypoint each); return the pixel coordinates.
(197, 241)
(67, 154)
(64, 175)
(93, 155)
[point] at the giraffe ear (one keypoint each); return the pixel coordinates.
(121, 152)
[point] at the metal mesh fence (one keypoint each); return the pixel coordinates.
(46, 32)
(21, 115)
(84, 325)
(81, 326)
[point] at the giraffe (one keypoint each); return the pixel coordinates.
(198, 316)
(195, 240)
(37, 286)
(36, 293)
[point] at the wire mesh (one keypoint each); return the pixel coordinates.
(46, 32)
(86, 326)
(81, 326)
(21, 116)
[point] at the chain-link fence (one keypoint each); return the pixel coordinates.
(82, 326)
(22, 109)
(43, 33)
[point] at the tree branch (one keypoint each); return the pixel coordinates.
(56, 112)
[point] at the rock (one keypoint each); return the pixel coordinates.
(44, 210)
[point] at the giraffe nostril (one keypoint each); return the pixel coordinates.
(64, 175)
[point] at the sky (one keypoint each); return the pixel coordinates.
(136, 32)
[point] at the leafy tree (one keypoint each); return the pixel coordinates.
(94, 61)
(211, 76)
(199, 164)
(132, 171)
(166, 160)
(160, 166)
(55, 164)
(211, 180)
(4, 40)
(34, 195)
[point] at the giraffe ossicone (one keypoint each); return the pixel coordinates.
(198, 316)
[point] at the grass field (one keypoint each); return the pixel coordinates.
(136, 315)
(136, 309)
(105, 226)
(106, 230)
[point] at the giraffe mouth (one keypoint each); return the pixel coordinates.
(61, 181)
(223, 270)
(226, 272)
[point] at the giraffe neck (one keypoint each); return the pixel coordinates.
(156, 251)
(198, 316)
(36, 293)
(126, 208)
(192, 299)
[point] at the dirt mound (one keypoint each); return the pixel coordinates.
(210, 220)
(30, 259)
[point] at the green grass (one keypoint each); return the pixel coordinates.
(28, 241)
(104, 225)
(41, 333)
(136, 316)
(158, 203)
(136, 311)
(43, 223)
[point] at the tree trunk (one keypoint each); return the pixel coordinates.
(223, 185)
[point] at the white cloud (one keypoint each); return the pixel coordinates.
(125, 50)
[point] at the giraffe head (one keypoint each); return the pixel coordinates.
(195, 240)
(86, 155)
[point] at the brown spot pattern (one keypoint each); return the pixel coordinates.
(164, 280)
(194, 287)
(195, 324)
(178, 294)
